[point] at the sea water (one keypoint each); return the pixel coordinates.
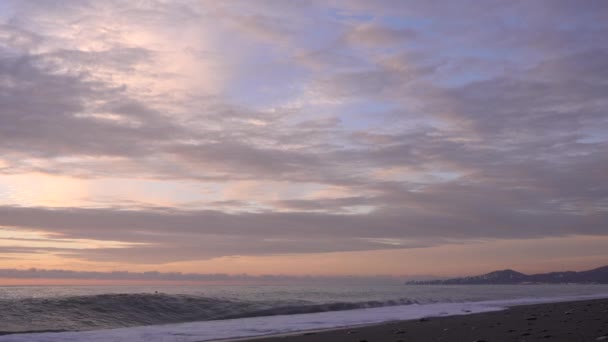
(211, 312)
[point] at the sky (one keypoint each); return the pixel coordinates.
(302, 138)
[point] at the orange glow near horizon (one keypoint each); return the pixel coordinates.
(549, 255)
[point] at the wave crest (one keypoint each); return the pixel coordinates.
(125, 310)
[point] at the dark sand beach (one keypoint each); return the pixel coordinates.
(583, 321)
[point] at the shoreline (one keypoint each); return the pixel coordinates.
(525, 319)
(580, 320)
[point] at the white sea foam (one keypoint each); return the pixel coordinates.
(257, 326)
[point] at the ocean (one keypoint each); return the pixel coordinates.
(211, 312)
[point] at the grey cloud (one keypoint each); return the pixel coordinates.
(340, 205)
(510, 112)
(415, 221)
(331, 122)
(117, 59)
(373, 82)
(41, 114)
(520, 146)
(228, 157)
(376, 35)
(19, 38)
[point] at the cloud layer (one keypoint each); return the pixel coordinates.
(205, 129)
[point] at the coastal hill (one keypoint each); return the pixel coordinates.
(594, 276)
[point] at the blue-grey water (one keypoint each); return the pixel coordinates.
(76, 308)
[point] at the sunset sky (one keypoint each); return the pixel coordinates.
(303, 137)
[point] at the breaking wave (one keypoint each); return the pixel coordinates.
(107, 311)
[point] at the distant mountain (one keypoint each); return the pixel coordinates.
(595, 276)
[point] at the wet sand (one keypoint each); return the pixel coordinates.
(584, 321)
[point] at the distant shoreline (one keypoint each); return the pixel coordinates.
(595, 276)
